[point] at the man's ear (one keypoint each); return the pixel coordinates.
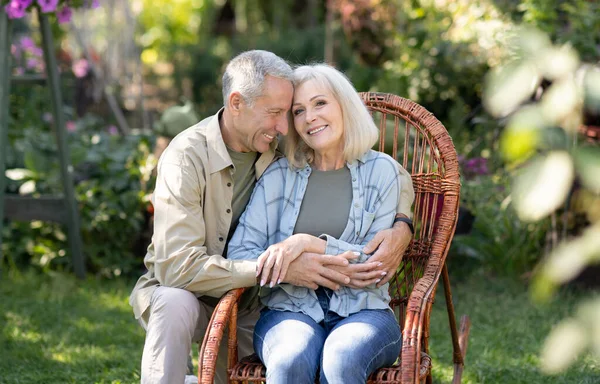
(235, 103)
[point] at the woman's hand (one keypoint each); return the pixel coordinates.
(274, 262)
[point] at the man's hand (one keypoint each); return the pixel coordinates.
(390, 245)
(312, 270)
(361, 275)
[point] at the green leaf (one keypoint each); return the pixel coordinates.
(587, 163)
(510, 86)
(19, 174)
(542, 186)
(562, 347)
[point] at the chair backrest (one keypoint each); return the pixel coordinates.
(419, 141)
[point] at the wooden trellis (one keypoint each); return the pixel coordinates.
(61, 209)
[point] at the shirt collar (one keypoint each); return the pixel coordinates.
(218, 156)
(349, 164)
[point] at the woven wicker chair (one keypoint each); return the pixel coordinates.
(429, 155)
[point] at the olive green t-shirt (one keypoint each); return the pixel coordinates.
(244, 179)
(326, 205)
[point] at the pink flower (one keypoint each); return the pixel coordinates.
(16, 52)
(15, 9)
(64, 15)
(47, 5)
(70, 126)
(80, 68)
(18, 71)
(48, 117)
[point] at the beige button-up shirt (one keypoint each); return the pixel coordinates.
(192, 205)
(192, 202)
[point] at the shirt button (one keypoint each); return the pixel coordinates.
(220, 239)
(356, 205)
(229, 184)
(228, 210)
(354, 179)
(357, 233)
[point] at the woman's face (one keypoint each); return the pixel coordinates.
(318, 118)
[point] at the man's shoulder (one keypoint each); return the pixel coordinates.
(190, 142)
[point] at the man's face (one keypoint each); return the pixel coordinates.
(258, 125)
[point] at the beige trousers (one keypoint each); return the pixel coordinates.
(174, 320)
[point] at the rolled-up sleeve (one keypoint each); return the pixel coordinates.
(407, 193)
(181, 258)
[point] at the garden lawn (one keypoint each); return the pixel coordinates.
(56, 329)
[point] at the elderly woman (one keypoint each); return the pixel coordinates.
(331, 194)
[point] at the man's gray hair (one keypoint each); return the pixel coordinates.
(246, 74)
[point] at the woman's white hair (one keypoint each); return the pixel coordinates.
(360, 132)
(246, 74)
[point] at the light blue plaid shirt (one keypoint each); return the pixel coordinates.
(272, 212)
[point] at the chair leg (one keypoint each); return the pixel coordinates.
(459, 338)
(465, 328)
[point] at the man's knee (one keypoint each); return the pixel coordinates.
(175, 307)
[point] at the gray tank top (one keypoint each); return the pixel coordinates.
(326, 204)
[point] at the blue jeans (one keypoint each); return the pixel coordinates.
(348, 349)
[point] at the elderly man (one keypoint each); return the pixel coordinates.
(205, 179)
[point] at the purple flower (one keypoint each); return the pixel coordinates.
(64, 15)
(47, 5)
(32, 63)
(18, 71)
(37, 51)
(27, 43)
(80, 68)
(14, 9)
(25, 3)
(95, 3)
(476, 166)
(112, 130)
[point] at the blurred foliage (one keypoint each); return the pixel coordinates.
(435, 52)
(112, 176)
(545, 94)
(499, 241)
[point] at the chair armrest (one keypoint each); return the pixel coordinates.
(209, 351)
(415, 323)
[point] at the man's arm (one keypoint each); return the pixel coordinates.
(181, 258)
(389, 245)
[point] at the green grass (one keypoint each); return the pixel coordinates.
(507, 333)
(60, 330)
(56, 329)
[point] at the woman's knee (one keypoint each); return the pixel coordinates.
(289, 365)
(289, 345)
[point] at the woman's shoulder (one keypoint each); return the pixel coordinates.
(276, 170)
(380, 162)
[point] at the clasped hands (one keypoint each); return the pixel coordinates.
(300, 260)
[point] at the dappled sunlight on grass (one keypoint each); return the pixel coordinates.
(507, 333)
(57, 329)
